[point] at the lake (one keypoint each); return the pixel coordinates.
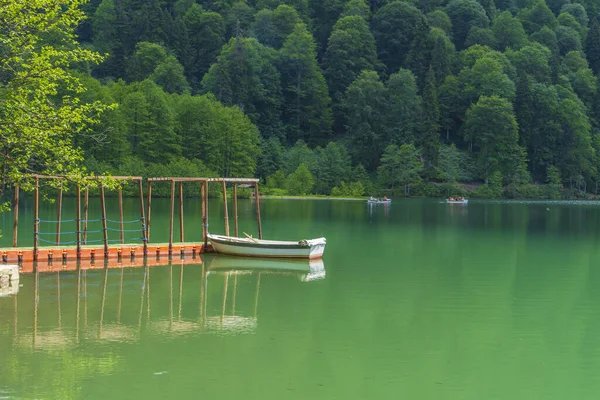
(414, 300)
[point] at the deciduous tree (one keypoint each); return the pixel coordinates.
(400, 166)
(492, 128)
(40, 107)
(365, 106)
(245, 75)
(464, 15)
(395, 28)
(351, 49)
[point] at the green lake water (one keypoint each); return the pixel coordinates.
(417, 300)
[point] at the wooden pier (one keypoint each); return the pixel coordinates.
(73, 255)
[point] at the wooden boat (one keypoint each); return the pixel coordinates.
(463, 201)
(379, 201)
(251, 247)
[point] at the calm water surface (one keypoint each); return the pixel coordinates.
(417, 300)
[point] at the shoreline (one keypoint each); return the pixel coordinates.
(266, 196)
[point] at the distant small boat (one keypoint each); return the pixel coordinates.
(463, 201)
(251, 247)
(373, 200)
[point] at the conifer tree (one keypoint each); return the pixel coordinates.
(351, 50)
(430, 139)
(307, 113)
(592, 46)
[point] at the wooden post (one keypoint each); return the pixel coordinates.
(235, 210)
(257, 198)
(104, 231)
(205, 214)
(225, 212)
(16, 216)
(203, 201)
(59, 215)
(78, 220)
(181, 237)
(85, 213)
(122, 236)
(144, 228)
(149, 211)
(36, 220)
(171, 216)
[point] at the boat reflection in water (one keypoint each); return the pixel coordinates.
(233, 270)
(218, 295)
(306, 270)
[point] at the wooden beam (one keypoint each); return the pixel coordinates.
(235, 211)
(181, 233)
(104, 230)
(257, 198)
(78, 220)
(205, 218)
(149, 210)
(16, 215)
(86, 198)
(238, 180)
(87, 178)
(143, 220)
(59, 215)
(171, 216)
(36, 220)
(185, 179)
(176, 179)
(225, 211)
(121, 233)
(203, 212)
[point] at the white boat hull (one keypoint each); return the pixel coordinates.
(457, 202)
(309, 249)
(379, 201)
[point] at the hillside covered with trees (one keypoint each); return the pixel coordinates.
(348, 97)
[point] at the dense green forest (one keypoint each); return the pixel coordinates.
(346, 97)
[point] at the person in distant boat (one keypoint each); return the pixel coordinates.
(451, 198)
(384, 198)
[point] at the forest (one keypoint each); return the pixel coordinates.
(488, 98)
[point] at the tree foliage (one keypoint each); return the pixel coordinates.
(400, 166)
(492, 128)
(498, 90)
(465, 14)
(351, 50)
(40, 107)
